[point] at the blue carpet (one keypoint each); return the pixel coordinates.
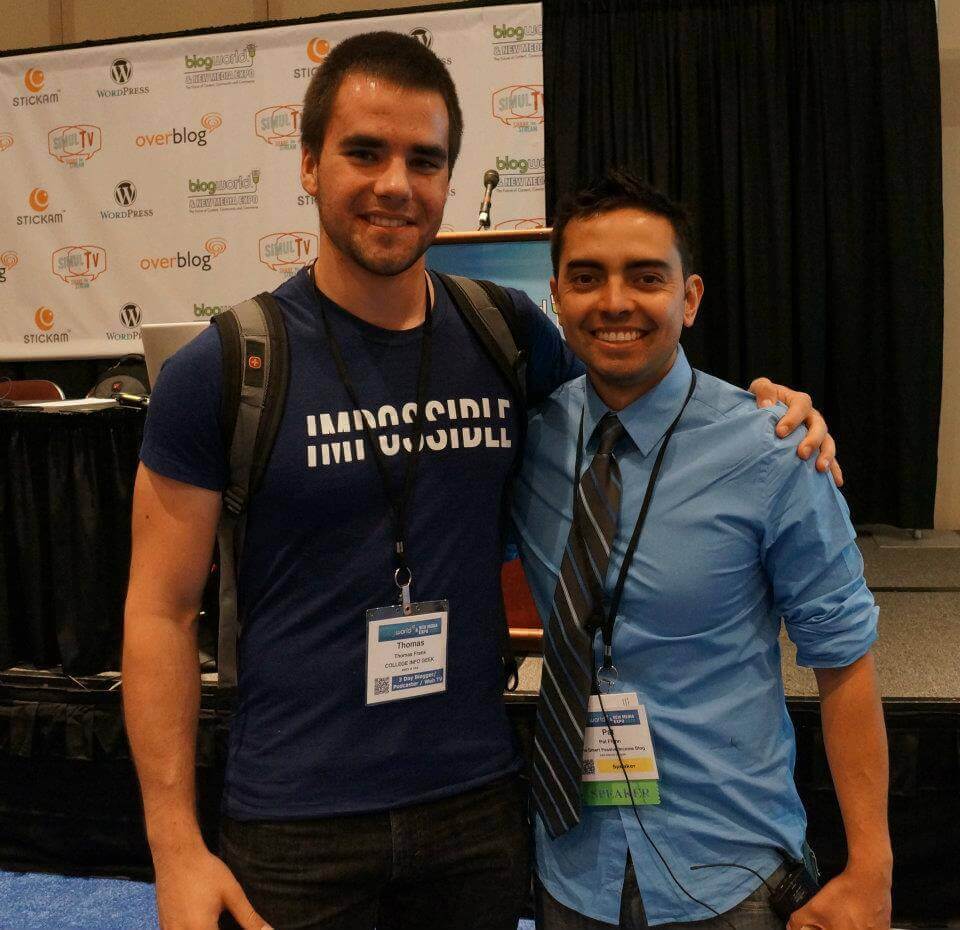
(31, 901)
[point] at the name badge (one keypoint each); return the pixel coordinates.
(604, 783)
(406, 651)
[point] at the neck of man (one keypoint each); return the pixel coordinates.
(388, 301)
(617, 395)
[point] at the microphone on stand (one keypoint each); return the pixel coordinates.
(491, 178)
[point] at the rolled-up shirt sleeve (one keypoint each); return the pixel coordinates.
(813, 563)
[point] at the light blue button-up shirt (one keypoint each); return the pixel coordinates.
(740, 533)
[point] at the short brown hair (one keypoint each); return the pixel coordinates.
(390, 56)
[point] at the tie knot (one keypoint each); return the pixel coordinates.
(610, 429)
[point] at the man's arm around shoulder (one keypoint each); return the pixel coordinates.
(174, 526)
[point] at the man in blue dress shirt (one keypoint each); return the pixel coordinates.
(739, 533)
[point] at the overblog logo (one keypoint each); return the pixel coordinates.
(6, 140)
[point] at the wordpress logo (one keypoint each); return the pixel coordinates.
(423, 36)
(125, 193)
(121, 70)
(130, 316)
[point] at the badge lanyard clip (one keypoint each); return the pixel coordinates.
(607, 674)
(403, 578)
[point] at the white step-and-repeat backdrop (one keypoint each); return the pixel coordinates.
(158, 181)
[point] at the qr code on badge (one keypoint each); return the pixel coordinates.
(381, 685)
(589, 767)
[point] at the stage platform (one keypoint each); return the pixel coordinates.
(69, 800)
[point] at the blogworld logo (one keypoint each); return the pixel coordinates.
(74, 145)
(513, 41)
(121, 73)
(238, 192)
(524, 173)
(279, 125)
(220, 69)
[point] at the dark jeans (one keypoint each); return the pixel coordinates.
(460, 863)
(753, 913)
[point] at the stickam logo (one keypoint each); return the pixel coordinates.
(44, 320)
(185, 261)
(8, 261)
(279, 126)
(519, 106)
(317, 50)
(288, 252)
(74, 145)
(210, 122)
(6, 140)
(34, 80)
(79, 265)
(39, 201)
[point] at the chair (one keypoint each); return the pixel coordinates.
(30, 390)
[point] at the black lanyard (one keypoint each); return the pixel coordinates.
(398, 504)
(606, 620)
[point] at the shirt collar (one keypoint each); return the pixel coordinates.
(650, 415)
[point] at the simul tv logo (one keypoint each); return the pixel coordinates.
(79, 265)
(39, 201)
(210, 122)
(34, 80)
(519, 106)
(8, 261)
(6, 141)
(121, 71)
(279, 126)
(74, 145)
(531, 222)
(288, 252)
(317, 49)
(44, 319)
(186, 261)
(222, 68)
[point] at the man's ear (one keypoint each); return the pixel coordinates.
(308, 171)
(692, 295)
(555, 294)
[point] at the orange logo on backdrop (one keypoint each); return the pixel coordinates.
(44, 319)
(318, 49)
(9, 259)
(6, 140)
(211, 121)
(38, 199)
(79, 264)
(216, 246)
(279, 125)
(286, 250)
(72, 144)
(33, 80)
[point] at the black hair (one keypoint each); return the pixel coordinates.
(616, 190)
(390, 56)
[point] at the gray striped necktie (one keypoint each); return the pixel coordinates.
(567, 648)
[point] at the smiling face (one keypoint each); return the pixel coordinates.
(622, 300)
(381, 178)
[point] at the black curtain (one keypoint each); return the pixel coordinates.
(66, 489)
(804, 135)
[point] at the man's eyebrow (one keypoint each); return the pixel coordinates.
(587, 264)
(359, 140)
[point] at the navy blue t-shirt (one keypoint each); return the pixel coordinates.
(318, 554)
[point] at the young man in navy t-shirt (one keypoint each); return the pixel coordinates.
(372, 778)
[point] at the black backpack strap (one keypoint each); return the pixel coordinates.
(490, 312)
(256, 366)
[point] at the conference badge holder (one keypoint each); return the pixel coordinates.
(613, 770)
(406, 649)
